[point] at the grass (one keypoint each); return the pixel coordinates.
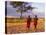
(19, 26)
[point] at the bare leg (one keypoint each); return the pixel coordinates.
(28, 28)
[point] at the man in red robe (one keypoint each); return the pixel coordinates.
(28, 22)
(35, 21)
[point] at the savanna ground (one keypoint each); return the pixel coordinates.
(18, 25)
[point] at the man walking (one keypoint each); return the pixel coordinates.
(35, 21)
(28, 22)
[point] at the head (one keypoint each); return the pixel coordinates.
(35, 15)
(29, 16)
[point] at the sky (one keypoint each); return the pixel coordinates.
(39, 10)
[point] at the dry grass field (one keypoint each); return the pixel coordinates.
(18, 25)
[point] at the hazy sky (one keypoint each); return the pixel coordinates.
(39, 11)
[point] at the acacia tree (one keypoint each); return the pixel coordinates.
(21, 6)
